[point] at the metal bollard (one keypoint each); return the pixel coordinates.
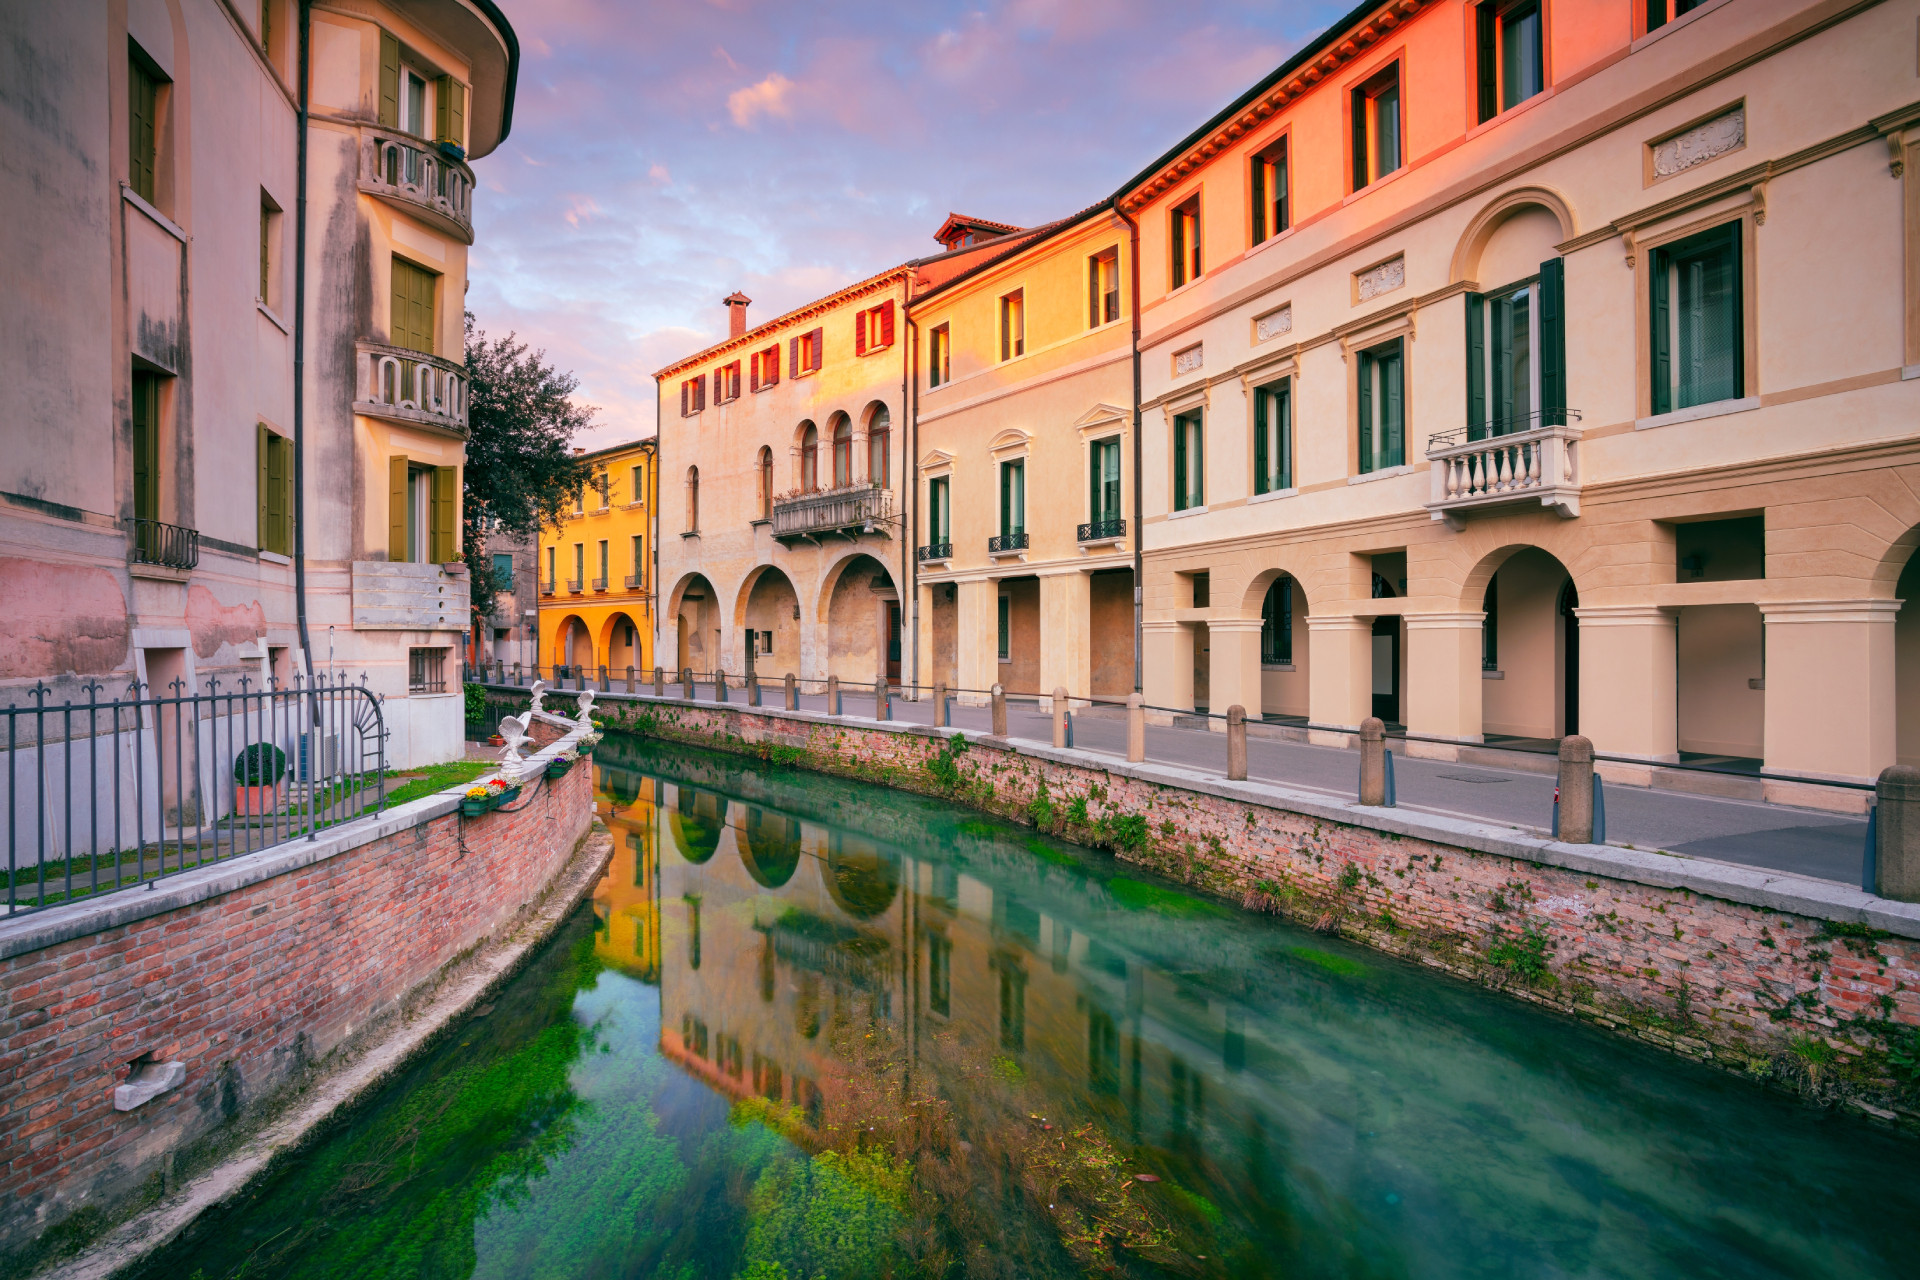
(659, 682)
(686, 683)
(833, 695)
(882, 700)
(719, 686)
(1236, 743)
(1896, 824)
(1060, 716)
(1136, 728)
(1573, 795)
(1373, 764)
(999, 696)
(941, 718)
(793, 693)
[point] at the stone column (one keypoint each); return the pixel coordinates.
(1627, 681)
(1065, 632)
(1234, 665)
(978, 639)
(1167, 654)
(882, 632)
(1340, 671)
(1443, 675)
(1829, 688)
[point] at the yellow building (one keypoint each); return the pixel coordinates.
(596, 570)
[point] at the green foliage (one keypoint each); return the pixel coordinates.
(1814, 1051)
(1345, 966)
(1524, 956)
(1077, 812)
(260, 765)
(1349, 877)
(779, 753)
(1138, 895)
(1903, 1056)
(833, 1215)
(1127, 832)
(944, 765)
(976, 827)
(476, 703)
(1040, 808)
(1048, 853)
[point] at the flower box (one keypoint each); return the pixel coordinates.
(506, 797)
(471, 808)
(558, 768)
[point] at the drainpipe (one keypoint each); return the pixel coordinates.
(1139, 527)
(653, 519)
(300, 364)
(909, 481)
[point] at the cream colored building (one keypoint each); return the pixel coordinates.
(148, 496)
(1583, 358)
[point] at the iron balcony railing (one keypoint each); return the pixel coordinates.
(599, 584)
(546, 587)
(936, 551)
(170, 546)
(574, 585)
(1102, 531)
(845, 512)
(101, 795)
(1529, 458)
(1001, 543)
(633, 582)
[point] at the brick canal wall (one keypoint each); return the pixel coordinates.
(248, 972)
(1806, 982)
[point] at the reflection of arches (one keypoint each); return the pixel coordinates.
(769, 846)
(1473, 241)
(861, 878)
(696, 820)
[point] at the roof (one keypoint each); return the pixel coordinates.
(998, 251)
(644, 444)
(759, 331)
(961, 222)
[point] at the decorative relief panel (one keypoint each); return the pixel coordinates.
(1701, 143)
(1187, 361)
(1384, 278)
(1273, 324)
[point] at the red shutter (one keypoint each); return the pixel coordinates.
(818, 340)
(886, 324)
(773, 365)
(753, 374)
(860, 334)
(699, 394)
(793, 355)
(683, 398)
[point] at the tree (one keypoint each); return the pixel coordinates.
(521, 474)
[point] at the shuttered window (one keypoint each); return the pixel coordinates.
(444, 548)
(1183, 230)
(450, 111)
(1269, 182)
(389, 81)
(1013, 498)
(1376, 128)
(143, 110)
(399, 509)
(1381, 408)
(939, 356)
(274, 464)
(1189, 462)
(1273, 437)
(1013, 325)
(146, 446)
(412, 314)
(873, 329)
(1103, 498)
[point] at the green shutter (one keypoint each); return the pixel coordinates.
(450, 111)
(1660, 321)
(1553, 342)
(146, 446)
(1283, 434)
(1476, 366)
(263, 532)
(1392, 424)
(1484, 26)
(389, 81)
(280, 493)
(1259, 184)
(446, 509)
(1359, 139)
(1739, 326)
(397, 548)
(143, 94)
(1179, 464)
(1365, 401)
(1197, 464)
(1261, 459)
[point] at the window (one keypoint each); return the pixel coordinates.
(426, 671)
(411, 319)
(1698, 347)
(1268, 183)
(638, 578)
(1103, 287)
(726, 383)
(143, 121)
(1516, 355)
(603, 488)
(578, 581)
(600, 582)
(503, 571)
(1490, 627)
(1273, 437)
(274, 463)
(1381, 411)
(879, 439)
(413, 102)
(939, 512)
(548, 587)
(1189, 462)
(638, 493)
(766, 483)
(804, 352)
(1508, 61)
(1276, 624)
(269, 248)
(939, 356)
(693, 499)
(842, 453)
(1013, 325)
(1103, 480)
(1376, 127)
(1183, 231)
(1661, 12)
(580, 502)
(693, 396)
(1006, 629)
(765, 370)
(146, 446)
(810, 459)
(873, 329)
(423, 512)
(1013, 498)
(1203, 590)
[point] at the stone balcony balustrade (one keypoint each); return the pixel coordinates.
(411, 387)
(419, 177)
(846, 512)
(1537, 464)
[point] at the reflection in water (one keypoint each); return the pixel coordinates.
(823, 1030)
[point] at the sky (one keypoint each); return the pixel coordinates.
(664, 154)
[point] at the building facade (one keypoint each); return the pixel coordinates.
(510, 633)
(163, 476)
(595, 570)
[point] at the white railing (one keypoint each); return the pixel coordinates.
(411, 170)
(1540, 464)
(410, 386)
(853, 507)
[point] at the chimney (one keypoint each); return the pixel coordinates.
(737, 304)
(577, 451)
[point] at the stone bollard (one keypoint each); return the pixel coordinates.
(606, 685)
(753, 688)
(999, 696)
(686, 683)
(793, 693)
(833, 695)
(942, 719)
(1896, 823)
(1373, 761)
(882, 700)
(719, 686)
(629, 677)
(516, 673)
(1573, 796)
(1236, 743)
(1060, 716)
(1136, 728)
(659, 682)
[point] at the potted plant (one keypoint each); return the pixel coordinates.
(558, 766)
(257, 772)
(502, 794)
(475, 801)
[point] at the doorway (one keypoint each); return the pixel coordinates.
(1570, 624)
(893, 643)
(1386, 668)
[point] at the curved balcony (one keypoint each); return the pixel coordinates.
(411, 387)
(846, 512)
(415, 175)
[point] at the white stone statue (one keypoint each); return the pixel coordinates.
(514, 730)
(583, 715)
(539, 691)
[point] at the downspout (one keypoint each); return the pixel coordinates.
(300, 363)
(1139, 529)
(909, 481)
(653, 519)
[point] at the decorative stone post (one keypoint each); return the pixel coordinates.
(1897, 825)
(1060, 715)
(882, 702)
(833, 695)
(686, 683)
(1236, 743)
(1574, 794)
(941, 718)
(1373, 761)
(1136, 728)
(659, 682)
(719, 686)
(999, 696)
(793, 693)
(753, 688)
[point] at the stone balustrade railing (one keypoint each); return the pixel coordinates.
(1536, 465)
(410, 386)
(419, 176)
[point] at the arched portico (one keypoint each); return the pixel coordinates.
(620, 642)
(767, 616)
(859, 609)
(695, 639)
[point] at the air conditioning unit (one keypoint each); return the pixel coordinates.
(318, 757)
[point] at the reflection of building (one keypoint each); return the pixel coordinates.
(595, 570)
(627, 899)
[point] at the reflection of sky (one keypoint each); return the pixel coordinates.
(665, 154)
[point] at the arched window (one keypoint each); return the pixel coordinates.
(693, 499)
(878, 434)
(842, 452)
(810, 459)
(766, 483)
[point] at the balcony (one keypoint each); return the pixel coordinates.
(599, 584)
(168, 546)
(1007, 544)
(1522, 460)
(1101, 531)
(633, 582)
(934, 552)
(574, 585)
(411, 387)
(846, 513)
(546, 587)
(417, 176)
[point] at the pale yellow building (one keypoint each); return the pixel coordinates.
(596, 568)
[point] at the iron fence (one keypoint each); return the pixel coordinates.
(100, 795)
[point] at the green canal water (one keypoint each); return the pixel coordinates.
(807, 1028)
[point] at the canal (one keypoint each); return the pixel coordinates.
(812, 1028)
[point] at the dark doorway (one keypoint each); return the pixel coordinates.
(1569, 601)
(1386, 668)
(893, 643)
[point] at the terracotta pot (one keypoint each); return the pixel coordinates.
(256, 802)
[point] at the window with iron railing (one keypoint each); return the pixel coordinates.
(426, 671)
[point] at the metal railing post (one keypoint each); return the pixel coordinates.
(999, 696)
(1373, 764)
(1136, 728)
(1236, 743)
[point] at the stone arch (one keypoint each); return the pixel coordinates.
(861, 878)
(573, 643)
(1892, 565)
(769, 844)
(852, 627)
(768, 605)
(1529, 638)
(1285, 667)
(693, 640)
(697, 821)
(620, 642)
(1473, 241)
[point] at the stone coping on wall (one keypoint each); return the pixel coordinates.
(1749, 886)
(36, 930)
